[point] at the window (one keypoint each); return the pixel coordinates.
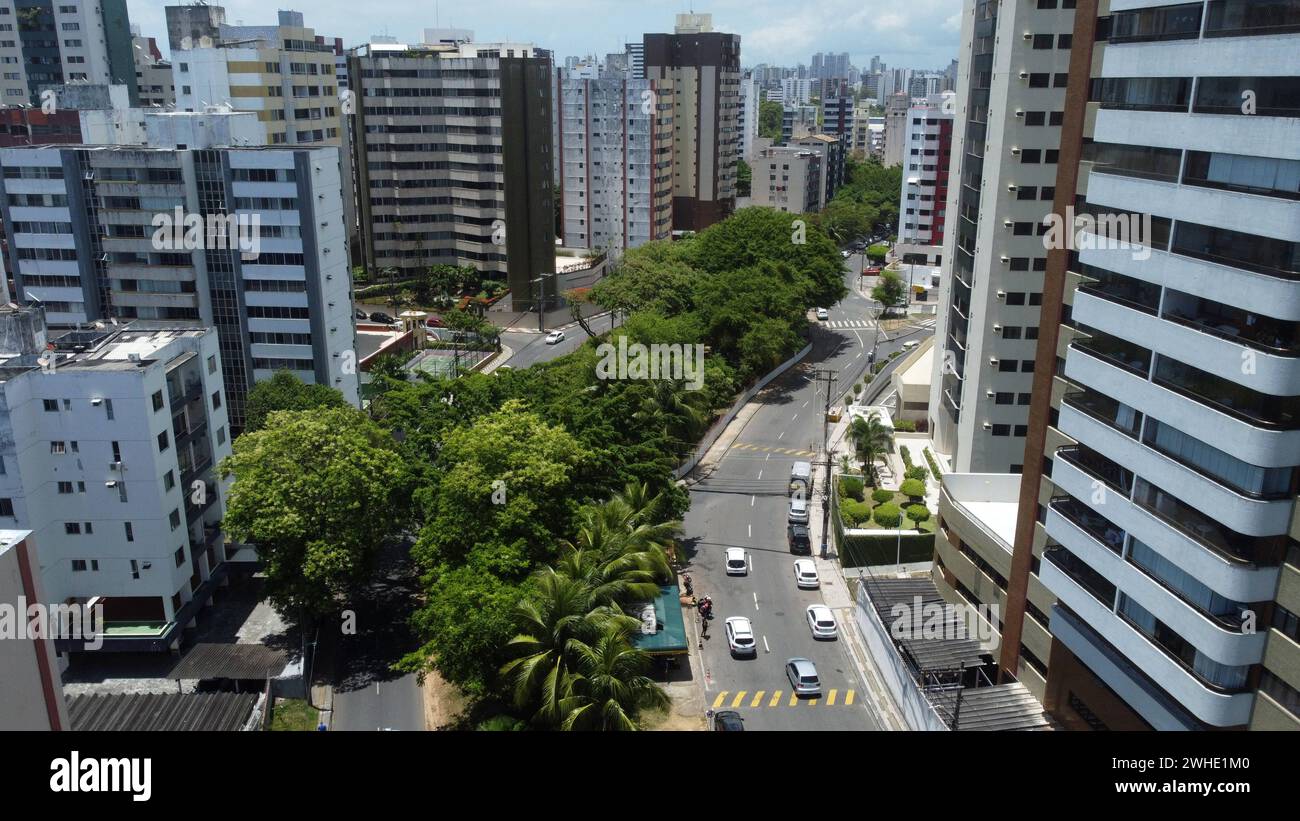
(130, 531)
(169, 480)
(1011, 332)
(1007, 366)
(1037, 80)
(1027, 366)
(1016, 298)
(212, 364)
(1035, 117)
(175, 519)
(157, 401)
(57, 448)
(1056, 118)
(51, 406)
(216, 400)
(79, 566)
(1031, 155)
(1021, 430)
(6, 507)
(163, 442)
(72, 528)
(1043, 41)
(1060, 79)
(65, 487)
(1005, 398)
(1027, 192)
(1064, 40)
(1036, 298)
(221, 435)
(1001, 430)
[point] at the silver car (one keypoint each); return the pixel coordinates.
(740, 636)
(803, 677)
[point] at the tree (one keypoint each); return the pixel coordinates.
(890, 291)
(654, 277)
(770, 115)
(284, 391)
(609, 689)
(317, 492)
(870, 438)
(744, 178)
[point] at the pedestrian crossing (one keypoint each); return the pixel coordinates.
(849, 324)
(766, 449)
(774, 699)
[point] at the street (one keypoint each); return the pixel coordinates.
(743, 503)
(531, 348)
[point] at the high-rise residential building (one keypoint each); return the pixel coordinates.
(281, 73)
(112, 440)
(896, 108)
(614, 141)
(798, 121)
(829, 67)
(834, 154)
(153, 74)
(1158, 503)
(1010, 97)
(52, 42)
(197, 25)
(797, 91)
(923, 203)
(29, 668)
(703, 67)
(747, 121)
(452, 146)
(87, 237)
(636, 60)
(787, 178)
(837, 110)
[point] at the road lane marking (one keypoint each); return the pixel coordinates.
(812, 702)
(796, 416)
(749, 529)
(782, 436)
(848, 699)
(760, 474)
(805, 404)
(751, 501)
(758, 697)
(755, 599)
(749, 562)
(830, 699)
(735, 702)
(717, 702)
(766, 649)
(794, 700)
(776, 699)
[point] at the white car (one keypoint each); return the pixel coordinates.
(740, 636)
(554, 337)
(823, 314)
(805, 574)
(799, 510)
(844, 254)
(822, 622)
(737, 563)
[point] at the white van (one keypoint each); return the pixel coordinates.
(911, 345)
(799, 510)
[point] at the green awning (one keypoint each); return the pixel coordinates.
(669, 637)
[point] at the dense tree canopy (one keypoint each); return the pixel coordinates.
(284, 391)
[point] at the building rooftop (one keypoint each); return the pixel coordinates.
(161, 711)
(917, 368)
(991, 499)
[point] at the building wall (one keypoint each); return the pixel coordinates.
(31, 695)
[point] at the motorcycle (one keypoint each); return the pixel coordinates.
(690, 589)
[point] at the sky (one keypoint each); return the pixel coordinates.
(905, 34)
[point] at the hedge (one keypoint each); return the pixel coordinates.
(934, 466)
(904, 426)
(880, 495)
(905, 454)
(913, 489)
(887, 515)
(918, 513)
(884, 549)
(916, 472)
(851, 487)
(855, 512)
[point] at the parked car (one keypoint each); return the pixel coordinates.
(380, 316)
(805, 574)
(799, 540)
(434, 322)
(823, 314)
(740, 636)
(822, 622)
(803, 677)
(844, 254)
(728, 721)
(799, 510)
(360, 314)
(554, 337)
(737, 562)
(910, 345)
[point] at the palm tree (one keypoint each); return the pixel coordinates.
(674, 411)
(614, 533)
(612, 579)
(645, 508)
(609, 689)
(870, 439)
(554, 623)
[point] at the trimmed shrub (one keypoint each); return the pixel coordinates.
(880, 495)
(851, 487)
(856, 512)
(934, 466)
(887, 515)
(918, 513)
(917, 472)
(913, 489)
(905, 454)
(904, 426)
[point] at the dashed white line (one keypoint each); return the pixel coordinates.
(749, 529)
(766, 649)
(782, 436)
(755, 599)
(796, 416)
(760, 474)
(751, 501)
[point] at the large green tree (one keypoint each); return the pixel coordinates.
(317, 492)
(284, 391)
(770, 114)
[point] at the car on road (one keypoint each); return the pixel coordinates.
(554, 337)
(728, 721)
(805, 574)
(737, 563)
(874, 270)
(360, 314)
(823, 314)
(434, 322)
(799, 510)
(822, 622)
(380, 316)
(803, 677)
(910, 345)
(740, 636)
(799, 539)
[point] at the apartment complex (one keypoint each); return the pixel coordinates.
(837, 110)
(110, 446)
(153, 74)
(1011, 95)
(281, 73)
(788, 178)
(703, 68)
(1158, 501)
(29, 674)
(46, 43)
(453, 154)
(834, 154)
(747, 121)
(95, 233)
(614, 140)
(896, 108)
(924, 199)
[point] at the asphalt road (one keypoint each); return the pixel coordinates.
(743, 503)
(531, 348)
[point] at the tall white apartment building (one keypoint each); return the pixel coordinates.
(46, 43)
(796, 91)
(923, 201)
(110, 441)
(788, 179)
(615, 141)
(1010, 96)
(747, 122)
(85, 238)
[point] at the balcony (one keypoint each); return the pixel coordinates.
(1106, 410)
(193, 390)
(1253, 407)
(1254, 330)
(1205, 530)
(1118, 352)
(1112, 474)
(1088, 580)
(1089, 521)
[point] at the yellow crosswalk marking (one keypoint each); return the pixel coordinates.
(739, 698)
(830, 699)
(758, 698)
(776, 699)
(848, 699)
(812, 702)
(794, 699)
(717, 702)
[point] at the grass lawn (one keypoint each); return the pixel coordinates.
(294, 714)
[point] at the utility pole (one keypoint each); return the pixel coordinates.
(830, 376)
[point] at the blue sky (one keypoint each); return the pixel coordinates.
(914, 34)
